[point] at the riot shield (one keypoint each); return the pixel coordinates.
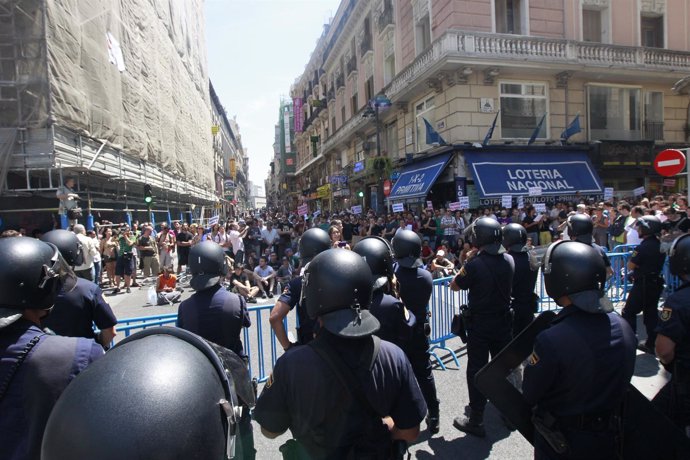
(647, 433)
(491, 379)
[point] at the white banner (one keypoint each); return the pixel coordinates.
(429, 205)
(639, 191)
(507, 201)
(464, 202)
(608, 193)
(398, 207)
(455, 206)
(303, 210)
(356, 209)
(521, 202)
(540, 207)
(534, 191)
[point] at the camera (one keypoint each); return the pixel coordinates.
(342, 244)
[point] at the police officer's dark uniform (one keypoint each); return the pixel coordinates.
(77, 310)
(312, 242)
(216, 314)
(35, 367)
(396, 321)
(524, 302)
(304, 393)
(488, 277)
(580, 367)
(416, 286)
(673, 340)
(160, 393)
(646, 262)
(581, 228)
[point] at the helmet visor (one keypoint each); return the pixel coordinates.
(59, 272)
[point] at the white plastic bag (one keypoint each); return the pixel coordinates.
(152, 297)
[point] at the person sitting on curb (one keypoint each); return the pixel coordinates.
(240, 284)
(167, 291)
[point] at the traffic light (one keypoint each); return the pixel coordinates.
(360, 194)
(148, 194)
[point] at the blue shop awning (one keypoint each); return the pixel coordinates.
(416, 179)
(513, 173)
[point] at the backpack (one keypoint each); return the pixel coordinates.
(618, 226)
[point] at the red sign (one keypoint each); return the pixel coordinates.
(669, 162)
(386, 187)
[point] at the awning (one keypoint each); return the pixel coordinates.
(416, 179)
(513, 173)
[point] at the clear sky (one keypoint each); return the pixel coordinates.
(256, 50)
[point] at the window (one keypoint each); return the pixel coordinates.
(652, 31)
(522, 107)
(354, 104)
(423, 110)
(654, 115)
(391, 141)
(422, 34)
(509, 16)
(332, 125)
(342, 115)
(369, 89)
(614, 113)
(591, 26)
(388, 69)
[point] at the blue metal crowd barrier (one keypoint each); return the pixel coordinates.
(442, 306)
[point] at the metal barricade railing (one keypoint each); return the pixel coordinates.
(443, 306)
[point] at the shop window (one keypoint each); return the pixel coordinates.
(510, 15)
(614, 112)
(422, 33)
(522, 107)
(423, 110)
(652, 31)
(654, 115)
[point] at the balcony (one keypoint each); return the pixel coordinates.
(366, 45)
(385, 20)
(351, 66)
(331, 94)
(340, 81)
(535, 52)
(654, 130)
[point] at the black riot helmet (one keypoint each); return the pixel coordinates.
(163, 393)
(648, 225)
(32, 273)
(679, 255)
(207, 264)
(337, 288)
(313, 242)
(407, 249)
(377, 253)
(514, 237)
(580, 228)
(570, 267)
(68, 244)
(485, 234)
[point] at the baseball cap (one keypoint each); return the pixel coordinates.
(441, 253)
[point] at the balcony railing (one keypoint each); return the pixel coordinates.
(331, 94)
(654, 130)
(340, 81)
(365, 46)
(385, 20)
(536, 52)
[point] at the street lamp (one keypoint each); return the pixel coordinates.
(381, 101)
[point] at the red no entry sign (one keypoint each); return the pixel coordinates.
(669, 162)
(386, 187)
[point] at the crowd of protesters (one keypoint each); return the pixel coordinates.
(262, 246)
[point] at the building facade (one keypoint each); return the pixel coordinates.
(281, 191)
(462, 66)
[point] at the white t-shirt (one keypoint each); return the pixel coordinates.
(89, 250)
(270, 236)
(631, 235)
(236, 241)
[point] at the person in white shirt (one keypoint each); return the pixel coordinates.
(237, 242)
(269, 237)
(631, 235)
(89, 250)
(265, 277)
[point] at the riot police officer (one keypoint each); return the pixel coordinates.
(35, 367)
(334, 393)
(160, 393)
(524, 302)
(673, 339)
(312, 242)
(580, 367)
(76, 311)
(581, 228)
(488, 276)
(396, 321)
(416, 286)
(646, 264)
(216, 314)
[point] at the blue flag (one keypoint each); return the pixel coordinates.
(536, 130)
(432, 136)
(572, 129)
(490, 132)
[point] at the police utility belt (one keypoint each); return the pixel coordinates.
(551, 427)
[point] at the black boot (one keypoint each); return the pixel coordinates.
(474, 424)
(433, 423)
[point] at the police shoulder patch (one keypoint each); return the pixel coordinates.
(533, 358)
(269, 382)
(665, 314)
